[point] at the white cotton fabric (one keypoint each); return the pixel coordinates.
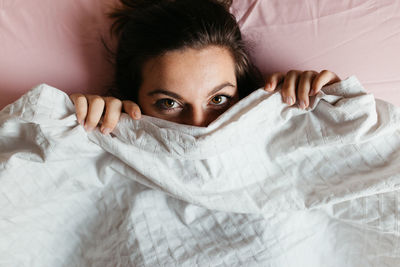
(263, 185)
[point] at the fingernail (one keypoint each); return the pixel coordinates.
(302, 104)
(289, 100)
(89, 128)
(106, 131)
(137, 115)
(268, 87)
(81, 123)
(312, 92)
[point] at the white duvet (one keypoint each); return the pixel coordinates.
(263, 185)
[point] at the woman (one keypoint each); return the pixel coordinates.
(184, 61)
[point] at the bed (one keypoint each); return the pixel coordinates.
(57, 42)
(320, 188)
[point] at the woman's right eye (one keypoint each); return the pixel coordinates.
(167, 104)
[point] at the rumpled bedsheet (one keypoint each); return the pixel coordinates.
(264, 185)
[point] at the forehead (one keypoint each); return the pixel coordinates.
(189, 71)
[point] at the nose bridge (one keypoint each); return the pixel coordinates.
(198, 116)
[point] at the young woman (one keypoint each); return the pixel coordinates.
(184, 61)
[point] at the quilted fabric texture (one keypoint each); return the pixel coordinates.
(263, 185)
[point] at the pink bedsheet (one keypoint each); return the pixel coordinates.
(55, 42)
(58, 42)
(360, 37)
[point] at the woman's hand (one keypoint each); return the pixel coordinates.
(299, 85)
(90, 108)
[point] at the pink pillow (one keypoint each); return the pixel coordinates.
(58, 42)
(55, 42)
(347, 37)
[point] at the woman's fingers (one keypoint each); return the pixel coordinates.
(114, 108)
(81, 106)
(289, 87)
(273, 80)
(304, 87)
(325, 77)
(90, 108)
(95, 110)
(112, 114)
(132, 109)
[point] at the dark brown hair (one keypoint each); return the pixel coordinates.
(150, 28)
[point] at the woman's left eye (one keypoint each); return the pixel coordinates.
(220, 100)
(167, 104)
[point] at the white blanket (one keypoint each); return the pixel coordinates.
(263, 185)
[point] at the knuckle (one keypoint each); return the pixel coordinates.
(76, 95)
(130, 105)
(79, 98)
(308, 73)
(128, 102)
(116, 101)
(97, 100)
(323, 72)
(112, 100)
(293, 72)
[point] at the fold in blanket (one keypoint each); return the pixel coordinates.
(264, 185)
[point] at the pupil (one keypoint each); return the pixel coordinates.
(169, 103)
(217, 99)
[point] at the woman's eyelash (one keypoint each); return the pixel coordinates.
(168, 104)
(228, 98)
(164, 105)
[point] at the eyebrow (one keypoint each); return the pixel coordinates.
(171, 94)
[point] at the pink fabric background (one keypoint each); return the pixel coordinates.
(58, 42)
(55, 42)
(359, 37)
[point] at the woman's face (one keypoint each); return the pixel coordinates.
(189, 86)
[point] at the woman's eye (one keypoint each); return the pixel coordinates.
(220, 99)
(167, 103)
